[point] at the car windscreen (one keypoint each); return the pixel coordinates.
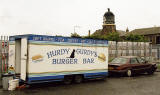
(119, 60)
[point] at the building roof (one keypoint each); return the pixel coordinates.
(121, 32)
(108, 13)
(98, 32)
(145, 31)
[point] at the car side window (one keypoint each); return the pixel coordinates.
(140, 60)
(134, 61)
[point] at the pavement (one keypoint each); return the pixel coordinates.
(138, 85)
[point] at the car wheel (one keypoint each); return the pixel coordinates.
(78, 78)
(129, 73)
(151, 71)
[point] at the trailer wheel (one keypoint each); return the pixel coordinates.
(78, 78)
(104, 78)
(68, 80)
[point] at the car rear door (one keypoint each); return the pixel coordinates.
(143, 66)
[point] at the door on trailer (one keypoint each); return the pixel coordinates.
(21, 57)
(18, 56)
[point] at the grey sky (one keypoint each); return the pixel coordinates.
(58, 17)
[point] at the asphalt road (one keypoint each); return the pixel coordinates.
(137, 85)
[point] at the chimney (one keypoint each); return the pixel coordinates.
(89, 33)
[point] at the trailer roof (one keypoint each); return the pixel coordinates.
(47, 38)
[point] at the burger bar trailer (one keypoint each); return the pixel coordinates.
(41, 58)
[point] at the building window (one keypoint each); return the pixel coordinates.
(158, 40)
(150, 38)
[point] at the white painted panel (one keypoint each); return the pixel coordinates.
(23, 58)
(51, 58)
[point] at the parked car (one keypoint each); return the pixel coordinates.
(130, 65)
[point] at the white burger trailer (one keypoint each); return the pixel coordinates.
(41, 58)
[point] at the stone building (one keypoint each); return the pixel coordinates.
(109, 25)
(108, 22)
(151, 34)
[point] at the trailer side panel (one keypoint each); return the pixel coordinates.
(52, 60)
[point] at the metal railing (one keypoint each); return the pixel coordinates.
(141, 49)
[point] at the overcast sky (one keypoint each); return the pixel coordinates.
(58, 17)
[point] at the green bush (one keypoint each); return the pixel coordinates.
(135, 38)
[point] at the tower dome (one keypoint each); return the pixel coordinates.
(108, 23)
(108, 18)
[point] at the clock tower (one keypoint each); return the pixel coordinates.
(108, 23)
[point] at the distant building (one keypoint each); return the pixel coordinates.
(108, 25)
(151, 34)
(108, 22)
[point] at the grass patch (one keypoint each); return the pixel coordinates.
(158, 66)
